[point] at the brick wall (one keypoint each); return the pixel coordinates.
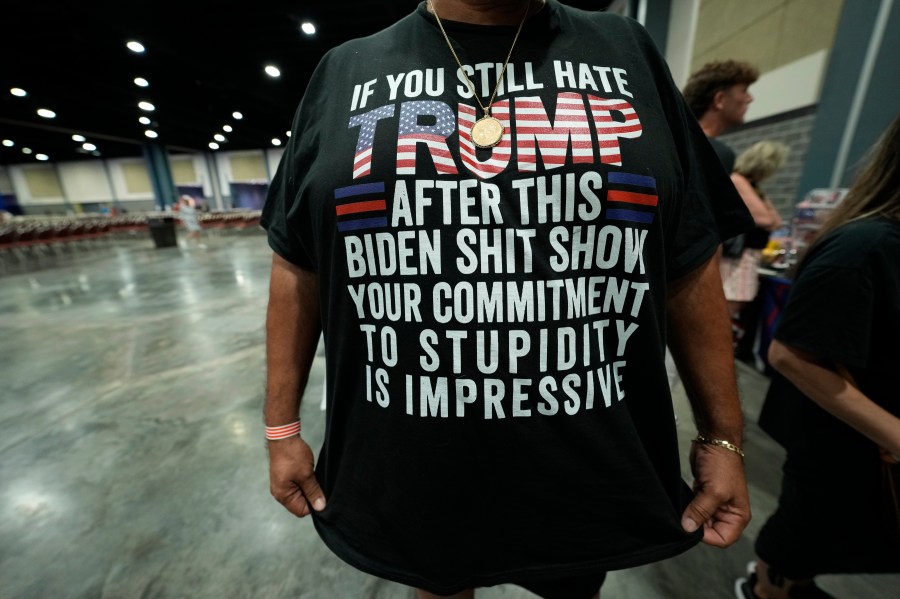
(792, 128)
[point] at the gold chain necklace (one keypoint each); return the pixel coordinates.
(488, 130)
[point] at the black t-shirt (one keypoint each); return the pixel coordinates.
(725, 154)
(498, 407)
(844, 308)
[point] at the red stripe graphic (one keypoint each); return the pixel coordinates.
(360, 207)
(632, 198)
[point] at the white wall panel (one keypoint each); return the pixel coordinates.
(795, 85)
(84, 182)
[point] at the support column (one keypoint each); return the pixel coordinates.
(858, 98)
(654, 15)
(212, 170)
(160, 173)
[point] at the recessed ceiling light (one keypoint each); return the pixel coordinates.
(89, 147)
(77, 137)
(8, 143)
(135, 47)
(47, 114)
(288, 133)
(26, 150)
(237, 115)
(219, 137)
(141, 82)
(276, 141)
(272, 71)
(144, 120)
(151, 133)
(308, 28)
(146, 106)
(18, 91)
(42, 157)
(213, 145)
(227, 129)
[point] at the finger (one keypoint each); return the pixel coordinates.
(292, 499)
(726, 525)
(699, 511)
(313, 493)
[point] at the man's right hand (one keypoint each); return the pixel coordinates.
(292, 478)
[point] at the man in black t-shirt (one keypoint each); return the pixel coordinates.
(496, 300)
(717, 95)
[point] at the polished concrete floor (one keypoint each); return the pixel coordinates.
(131, 460)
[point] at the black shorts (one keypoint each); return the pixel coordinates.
(575, 587)
(828, 524)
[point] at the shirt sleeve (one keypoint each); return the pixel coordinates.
(287, 215)
(830, 311)
(708, 209)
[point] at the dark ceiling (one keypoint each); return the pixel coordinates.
(204, 60)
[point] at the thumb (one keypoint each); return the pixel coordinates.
(313, 493)
(699, 511)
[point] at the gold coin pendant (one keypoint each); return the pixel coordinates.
(487, 132)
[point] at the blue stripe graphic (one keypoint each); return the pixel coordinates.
(629, 179)
(358, 190)
(630, 215)
(362, 223)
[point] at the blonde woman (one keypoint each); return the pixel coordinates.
(741, 257)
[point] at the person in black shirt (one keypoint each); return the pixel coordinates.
(718, 96)
(499, 219)
(835, 406)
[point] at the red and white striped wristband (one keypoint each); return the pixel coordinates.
(274, 433)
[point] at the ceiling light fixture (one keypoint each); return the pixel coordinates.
(213, 145)
(227, 129)
(26, 150)
(146, 106)
(144, 120)
(89, 147)
(8, 143)
(219, 137)
(237, 115)
(47, 114)
(308, 28)
(151, 133)
(272, 71)
(42, 157)
(276, 141)
(288, 133)
(141, 82)
(136, 47)
(77, 137)
(18, 91)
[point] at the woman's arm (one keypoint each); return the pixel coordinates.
(837, 395)
(764, 216)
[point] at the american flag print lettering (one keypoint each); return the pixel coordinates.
(610, 130)
(360, 207)
(362, 160)
(434, 136)
(631, 198)
(499, 154)
(570, 126)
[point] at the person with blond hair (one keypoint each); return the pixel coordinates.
(741, 255)
(833, 403)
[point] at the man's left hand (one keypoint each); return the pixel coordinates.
(721, 503)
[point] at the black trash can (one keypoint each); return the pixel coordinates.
(162, 230)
